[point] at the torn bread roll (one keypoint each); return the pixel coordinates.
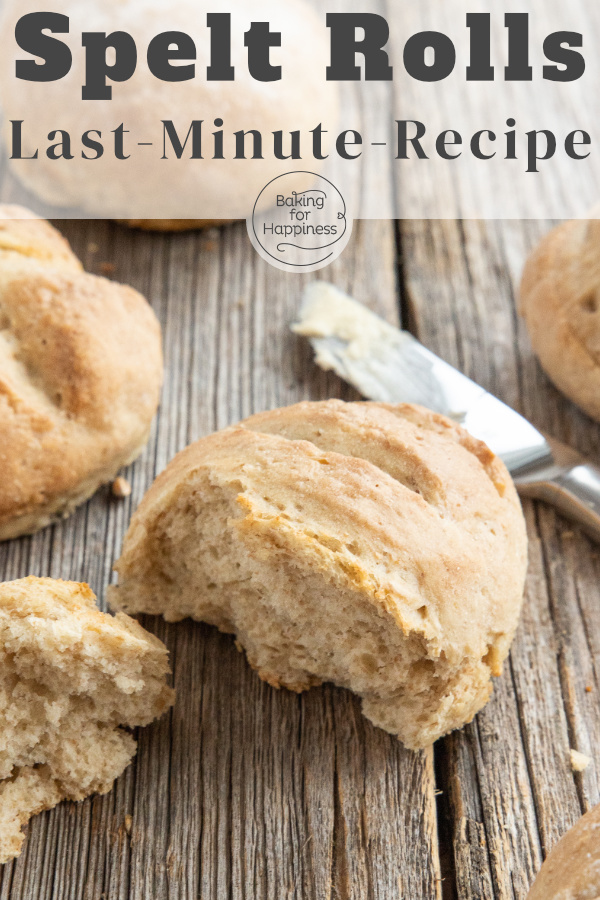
(70, 676)
(378, 547)
(572, 869)
(560, 303)
(80, 376)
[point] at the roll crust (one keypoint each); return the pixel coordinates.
(572, 869)
(175, 225)
(80, 376)
(560, 303)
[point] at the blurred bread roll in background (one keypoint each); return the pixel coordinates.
(560, 303)
(80, 376)
(378, 547)
(173, 224)
(146, 186)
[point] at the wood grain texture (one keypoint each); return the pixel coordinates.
(242, 791)
(510, 789)
(246, 792)
(500, 187)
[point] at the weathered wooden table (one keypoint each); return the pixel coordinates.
(246, 792)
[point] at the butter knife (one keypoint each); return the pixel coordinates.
(387, 364)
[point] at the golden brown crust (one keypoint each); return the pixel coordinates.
(560, 302)
(80, 376)
(572, 869)
(393, 514)
(26, 234)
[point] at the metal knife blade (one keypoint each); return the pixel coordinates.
(390, 365)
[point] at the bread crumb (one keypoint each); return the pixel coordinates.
(107, 268)
(588, 688)
(121, 487)
(128, 823)
(579, 761)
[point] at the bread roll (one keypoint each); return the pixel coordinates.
(80, 376)
(378, 547)
(147, 186)
(69, 677)
(174, 224)
(560, 302)
(572, 869)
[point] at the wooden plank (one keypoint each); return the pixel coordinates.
(511, 792)
(467, 187)
(246, 792)
(241, 791)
